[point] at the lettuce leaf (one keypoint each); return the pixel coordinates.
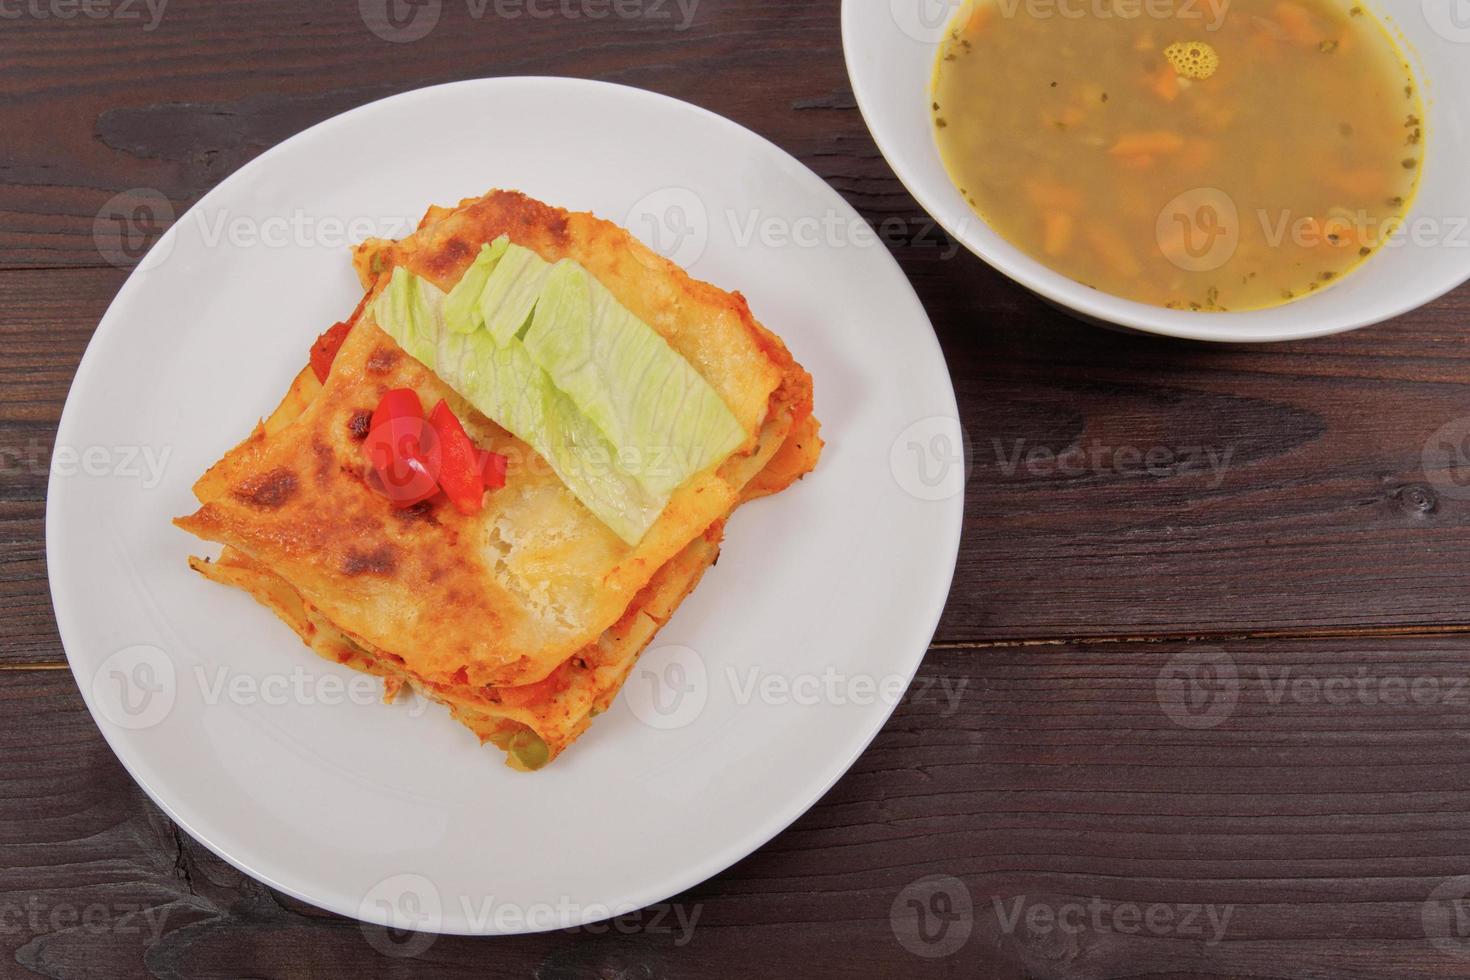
(511, 291)
(462, 309)
(664, 419)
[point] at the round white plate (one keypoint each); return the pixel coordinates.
(759, 694)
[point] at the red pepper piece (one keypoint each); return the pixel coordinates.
(459, 473)
(492, 468)
(404, 450)
(324, 351)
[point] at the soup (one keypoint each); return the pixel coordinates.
(1215, 155)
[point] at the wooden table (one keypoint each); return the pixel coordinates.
(1207, 722)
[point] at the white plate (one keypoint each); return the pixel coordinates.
(891, 46)
(275, 759)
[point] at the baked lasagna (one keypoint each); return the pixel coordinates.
(502, 473)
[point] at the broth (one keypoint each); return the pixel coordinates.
(1233, 155)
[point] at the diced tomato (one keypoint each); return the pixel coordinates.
(398, 403)
(403, 449)
(414, 458)
(459, 473)
(492, 468)
(324, 351)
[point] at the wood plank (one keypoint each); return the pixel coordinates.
(226, 81)
(49, 317)
(1292, 493)
(1324, 493)
(1053, 779)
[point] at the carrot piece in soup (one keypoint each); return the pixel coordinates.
(1058, 228)
(1334, 232)
(1297, 23)
(1139, 144)
(1165, 83)
(980, 15)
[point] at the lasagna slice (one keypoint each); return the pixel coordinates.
(524, 614)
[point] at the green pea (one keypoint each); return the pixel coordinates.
(529, 750)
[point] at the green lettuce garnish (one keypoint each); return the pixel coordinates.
(665, 420)
(462, 309)
(511, 291)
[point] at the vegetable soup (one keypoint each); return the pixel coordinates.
(1217, 155)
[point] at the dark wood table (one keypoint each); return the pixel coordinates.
(1207, 721)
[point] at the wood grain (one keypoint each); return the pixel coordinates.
(1322, 514)
(1315, 832)
(47, 321)
(225, 81)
